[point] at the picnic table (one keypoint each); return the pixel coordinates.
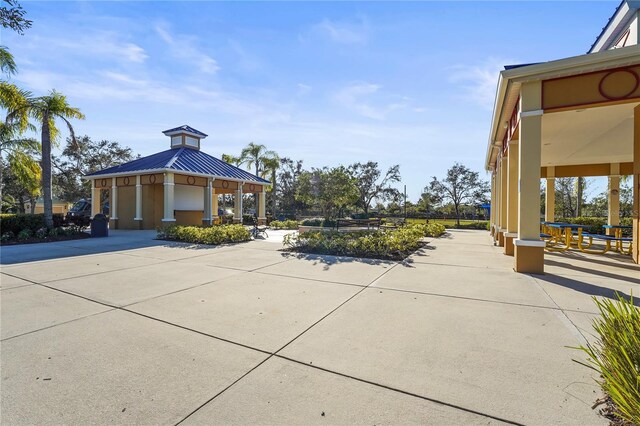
(561, 236)
(357, 223)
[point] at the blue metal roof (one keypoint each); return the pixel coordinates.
(186, 129)
(183, 160)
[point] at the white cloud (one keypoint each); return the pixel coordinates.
(185, 47)
(479, 82)
(344, 32)
(303, 89)
(358, 98)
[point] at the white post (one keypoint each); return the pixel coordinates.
(168, 198)
(138, 199)
(614, 196)
(207, 203)
(113, 208)
(238, 204)
(262, 201)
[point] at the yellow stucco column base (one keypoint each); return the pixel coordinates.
(236, 220)
(501, 238)
(508, 242)
(113, 223)
(262, 221)
(529, 256)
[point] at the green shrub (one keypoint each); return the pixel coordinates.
(430, 229)
(42, 233)
(393, 244)
(318, 221)
(7, 236)
(616, 355)
(212, 235)
(17, 222)
(25, 234)
(284, 224)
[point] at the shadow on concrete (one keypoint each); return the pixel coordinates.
(330, 260)
(586, 288)
(592, 271)
(120, 241)
(613, 259)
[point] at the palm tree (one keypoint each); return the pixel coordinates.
(19, 155)
(254, 155)
(271, 165)
(45, 110)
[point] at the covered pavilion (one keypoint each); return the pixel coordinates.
(180, 185)
(573, 117)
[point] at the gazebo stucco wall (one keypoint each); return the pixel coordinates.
(178, 186)
(574, 117)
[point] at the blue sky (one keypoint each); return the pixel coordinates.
(329, 83)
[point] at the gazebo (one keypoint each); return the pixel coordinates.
(574, 117)
(180, 185)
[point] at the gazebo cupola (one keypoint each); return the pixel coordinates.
(185, 137)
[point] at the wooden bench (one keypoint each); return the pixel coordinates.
(393, 223)
(357, 223)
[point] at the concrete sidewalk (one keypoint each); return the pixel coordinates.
(132, 330)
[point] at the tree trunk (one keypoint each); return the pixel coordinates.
(457, 215)
(1, 180)
(32, 201)
(46, 172)
(273, 193)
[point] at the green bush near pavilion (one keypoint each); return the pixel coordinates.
(284, 224)
(212, 235)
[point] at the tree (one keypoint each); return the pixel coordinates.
(254, 155)
(12, 16)
(461, 185)
(370, 187)
(288, 176)
(271, 166)
(19, 152)
(565, 197)
(82, 156)
(332, 190)
(45, 110)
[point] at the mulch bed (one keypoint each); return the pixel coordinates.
(34, 240)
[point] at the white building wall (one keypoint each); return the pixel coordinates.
(188, 197)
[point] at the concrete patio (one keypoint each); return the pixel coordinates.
(131, 330)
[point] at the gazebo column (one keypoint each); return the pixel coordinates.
(169, 188)
(262, 215)
(613, 216)
(95, 199)
(512, 198)
(529, 249)
(635, 252)
(138, 217)
(504, 175)
(237, 205)
(498, 201)
(214, 205)
(113, 207)
(550, 196)
(206, 216)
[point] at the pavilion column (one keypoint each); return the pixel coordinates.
(113, 206)
(95, 199)
(614, 197)
(635, 252)
(498, 201)
(492, 212)
(168, 198)
(550, 196)
(262, 215)
(512, 198)
(529, 249)
(206, 213)
(504, 175)
(138, 217)
(237, 204)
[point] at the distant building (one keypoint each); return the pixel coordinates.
(59, 206)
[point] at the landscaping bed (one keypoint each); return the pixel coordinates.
(211, 235)
(30, 229)
(56, 234)
(394, 244)
(284, 224)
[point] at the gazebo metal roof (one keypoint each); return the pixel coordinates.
(186, 160)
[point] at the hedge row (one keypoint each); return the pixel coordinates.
(284, 224)
(212, 235)
(15, 223)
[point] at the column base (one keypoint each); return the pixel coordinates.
(237, 220)
(113, 223)
(262, 221)
(501, 238)
(508, 242)
(215, 220)
(529, 256)
(138, 220)
(168, 220)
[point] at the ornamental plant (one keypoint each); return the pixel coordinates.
(212, 235)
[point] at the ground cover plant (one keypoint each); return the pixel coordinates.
(30, 228)
(431, 229)
(212, 235)
(616, 357)
(318, 221)
(284, 224)
(394, 244)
